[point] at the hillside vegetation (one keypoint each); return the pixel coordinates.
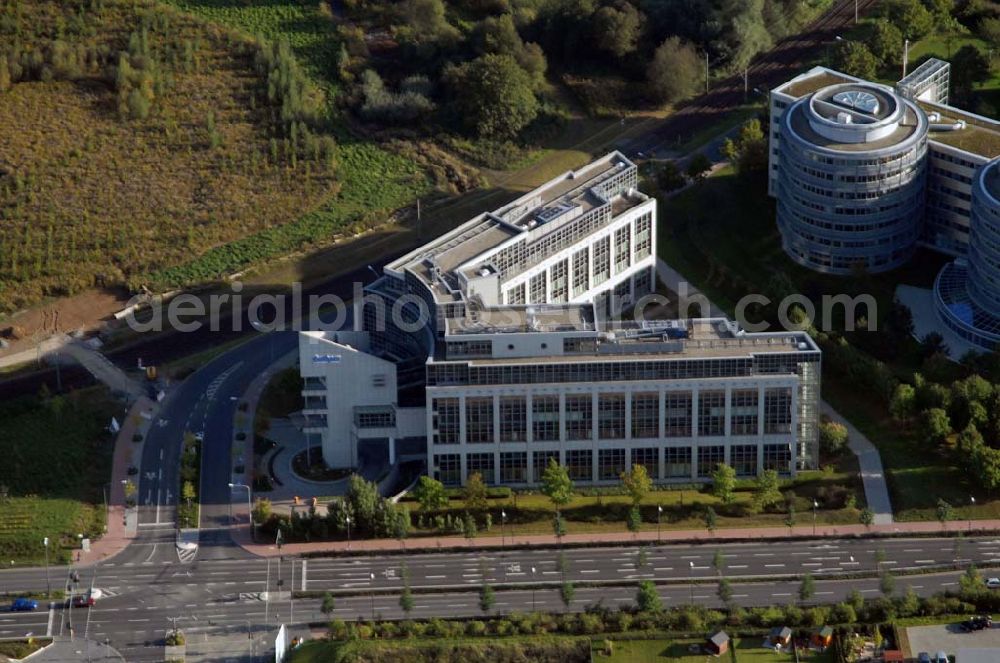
(136, 136)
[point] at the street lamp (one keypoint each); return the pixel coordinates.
(348, 519)
(503, 521)
(249, 506)
(815, 507)
(48, 583)
(691, 579)
(659, 514)
(532, 589)
(371, 593)
(972, 499)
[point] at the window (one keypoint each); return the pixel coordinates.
(602, 260)
(446, 420)
(708, 459)
(648, 457)
(579, 417)
(677, 462)
(478, 420)
(513, 419)
(537, 287)
(643, 283)
(375, 419)
(514, 467)
(581, 271)
(610, 464)
(579, 464)
(778, 457)
(545, 418)
(560, 281)
(744, 459)
(643, 236)
(516, 294)
(645, 415)
(448, 469)
(777, 411)
(711, 413)
(540, 461)
(611, 416)
(623, 250)
(678, 414)
(743, 412)
(482, 463)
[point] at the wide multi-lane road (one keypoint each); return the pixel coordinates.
(218, 599)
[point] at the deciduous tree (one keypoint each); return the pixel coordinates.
(493, 96)
(636, 483)
(430, 493)
(474, 493)
(724, 483)
(647, 599)
(674, 72)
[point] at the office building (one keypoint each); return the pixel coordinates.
(497, 347)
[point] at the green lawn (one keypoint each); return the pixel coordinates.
(678, 651)
(57, 460)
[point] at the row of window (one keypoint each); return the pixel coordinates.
(582, 416)
(678, 463)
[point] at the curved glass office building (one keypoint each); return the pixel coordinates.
(851, 178)
(967, 292)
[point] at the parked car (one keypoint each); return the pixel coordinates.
(924, 657)
(993, 583)
(940, 657)
(23, 605)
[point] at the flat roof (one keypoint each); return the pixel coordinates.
(810, 82)
(980, 136)
(905, 129)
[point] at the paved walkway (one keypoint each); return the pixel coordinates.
(241, 536)
(920, 301)
(122, 523)
(872, 474)
(64, 650)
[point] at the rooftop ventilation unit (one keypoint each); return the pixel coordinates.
(858, 100)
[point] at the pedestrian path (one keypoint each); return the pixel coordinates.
(870, 463)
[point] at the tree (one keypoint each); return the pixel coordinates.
(647, 599)
(886, 42)
(909, 604)
(867, 517)
(933, 343)
(855, 58)
(636, 483)
(493, 96)
(556, 484)
(698, 166)
(559, 526)
(971, 581)
(887, 583)
(767, 490)
(807, 587)
(718, 561)
(566, 593)
(487, 598)
(936, 425)
(474, 492)
(634, 520)
(617, 28)
(261, 510)
(970, 66)
(724, 590)
(910, 17)
(469, 526)
(904, 402)
(670, 178)
(431, 494)
(187, 492)
(406, 601)
(988, 29)
(328, 605)
(832, 438)
(944, 511)
(724, 483)
(710, 519)
(674, 72)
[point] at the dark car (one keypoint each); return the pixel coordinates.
(83, 601)
(977, 623)
(23, 605)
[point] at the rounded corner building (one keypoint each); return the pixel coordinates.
(850, 180)
(967, 291)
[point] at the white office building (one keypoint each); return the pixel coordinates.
(493, 349)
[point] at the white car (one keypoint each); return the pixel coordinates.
(993, 583)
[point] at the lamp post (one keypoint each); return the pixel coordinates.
(815, 507)
(532, 589)
(691, 580)
(371, 593)
(250, 638)
(503, 521)
(249, 506)
(659, 514)
(48, 583)
(348, 519)
(972, 501)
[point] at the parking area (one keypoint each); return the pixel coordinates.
(949, 638)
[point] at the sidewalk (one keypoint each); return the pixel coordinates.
(456, 543)
(122, 523)
(870, 465)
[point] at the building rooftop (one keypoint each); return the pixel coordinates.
(800, 124)
(980, 136)
(813, 80)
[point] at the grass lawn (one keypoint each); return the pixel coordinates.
(650, 651)
(57, 459)
(511, 649)
(18, 649)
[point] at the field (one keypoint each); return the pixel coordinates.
(651, 651)
(57, 460)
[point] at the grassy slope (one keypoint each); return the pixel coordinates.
(57, 458)
(652, 651)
